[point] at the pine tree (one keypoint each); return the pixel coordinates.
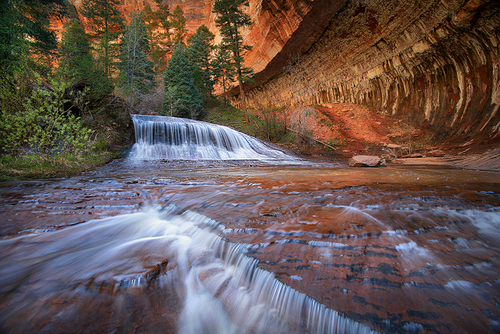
(199, 50)
(178, 24)
(26, 46)
(75, 59)
(25, 36)
(158, 24)
(223, 70)
(76, 63)
(136, 70)
(230, 18)
(182, 97)
(107, 24)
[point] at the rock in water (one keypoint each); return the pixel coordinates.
(366, 161)
(436, 153)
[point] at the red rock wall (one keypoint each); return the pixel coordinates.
(434, 61)
(274, 22)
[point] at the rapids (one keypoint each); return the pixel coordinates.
(263, 245)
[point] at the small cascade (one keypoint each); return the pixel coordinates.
(172, 138)
(221, 289)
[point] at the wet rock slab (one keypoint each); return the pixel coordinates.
(392, 248)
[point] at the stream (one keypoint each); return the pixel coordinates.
(235, 236)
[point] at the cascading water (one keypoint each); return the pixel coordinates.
(172, 138)
(222, 290)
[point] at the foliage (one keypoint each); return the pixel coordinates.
(25, 154)
(45, 127)
(158, 25)
(182, 97)
(178, 24)
(25, 37)
(74, 52)
(41, 133)
(76, 63)
(12, 43)
(199, 51)
(269, 128)
(272, 125)
(223, 113)
(34, 166)
(223, 71)
(106, 23)
(166, 31)
(230, 18)
(136, 70)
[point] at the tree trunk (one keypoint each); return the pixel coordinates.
(243, 101)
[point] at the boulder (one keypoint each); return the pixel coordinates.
(366, 161)
(436, 153)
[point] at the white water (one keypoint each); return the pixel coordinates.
(172, 138)
(221, 289)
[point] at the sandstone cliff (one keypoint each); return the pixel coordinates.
(436, 62)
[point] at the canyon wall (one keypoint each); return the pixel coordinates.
(274, 21)
(435, 62)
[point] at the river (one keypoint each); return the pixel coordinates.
(269, 244)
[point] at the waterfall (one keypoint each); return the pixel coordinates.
(172, 138)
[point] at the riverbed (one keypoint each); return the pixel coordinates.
(252, 247)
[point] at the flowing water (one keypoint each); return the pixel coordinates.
(204, 230)
(159, 137)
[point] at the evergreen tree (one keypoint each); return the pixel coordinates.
(178, 24)
(26, 45)
(158, 24)
(136, 71)
(25, 37)
(223, 70)
(75, 59)
(230, 18)
(182, 97)
(12, 43)
(76, 62)
(106, 23)
(199, 50)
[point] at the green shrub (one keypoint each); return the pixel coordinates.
(43, 126)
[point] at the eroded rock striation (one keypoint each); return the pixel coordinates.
(434, 62)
